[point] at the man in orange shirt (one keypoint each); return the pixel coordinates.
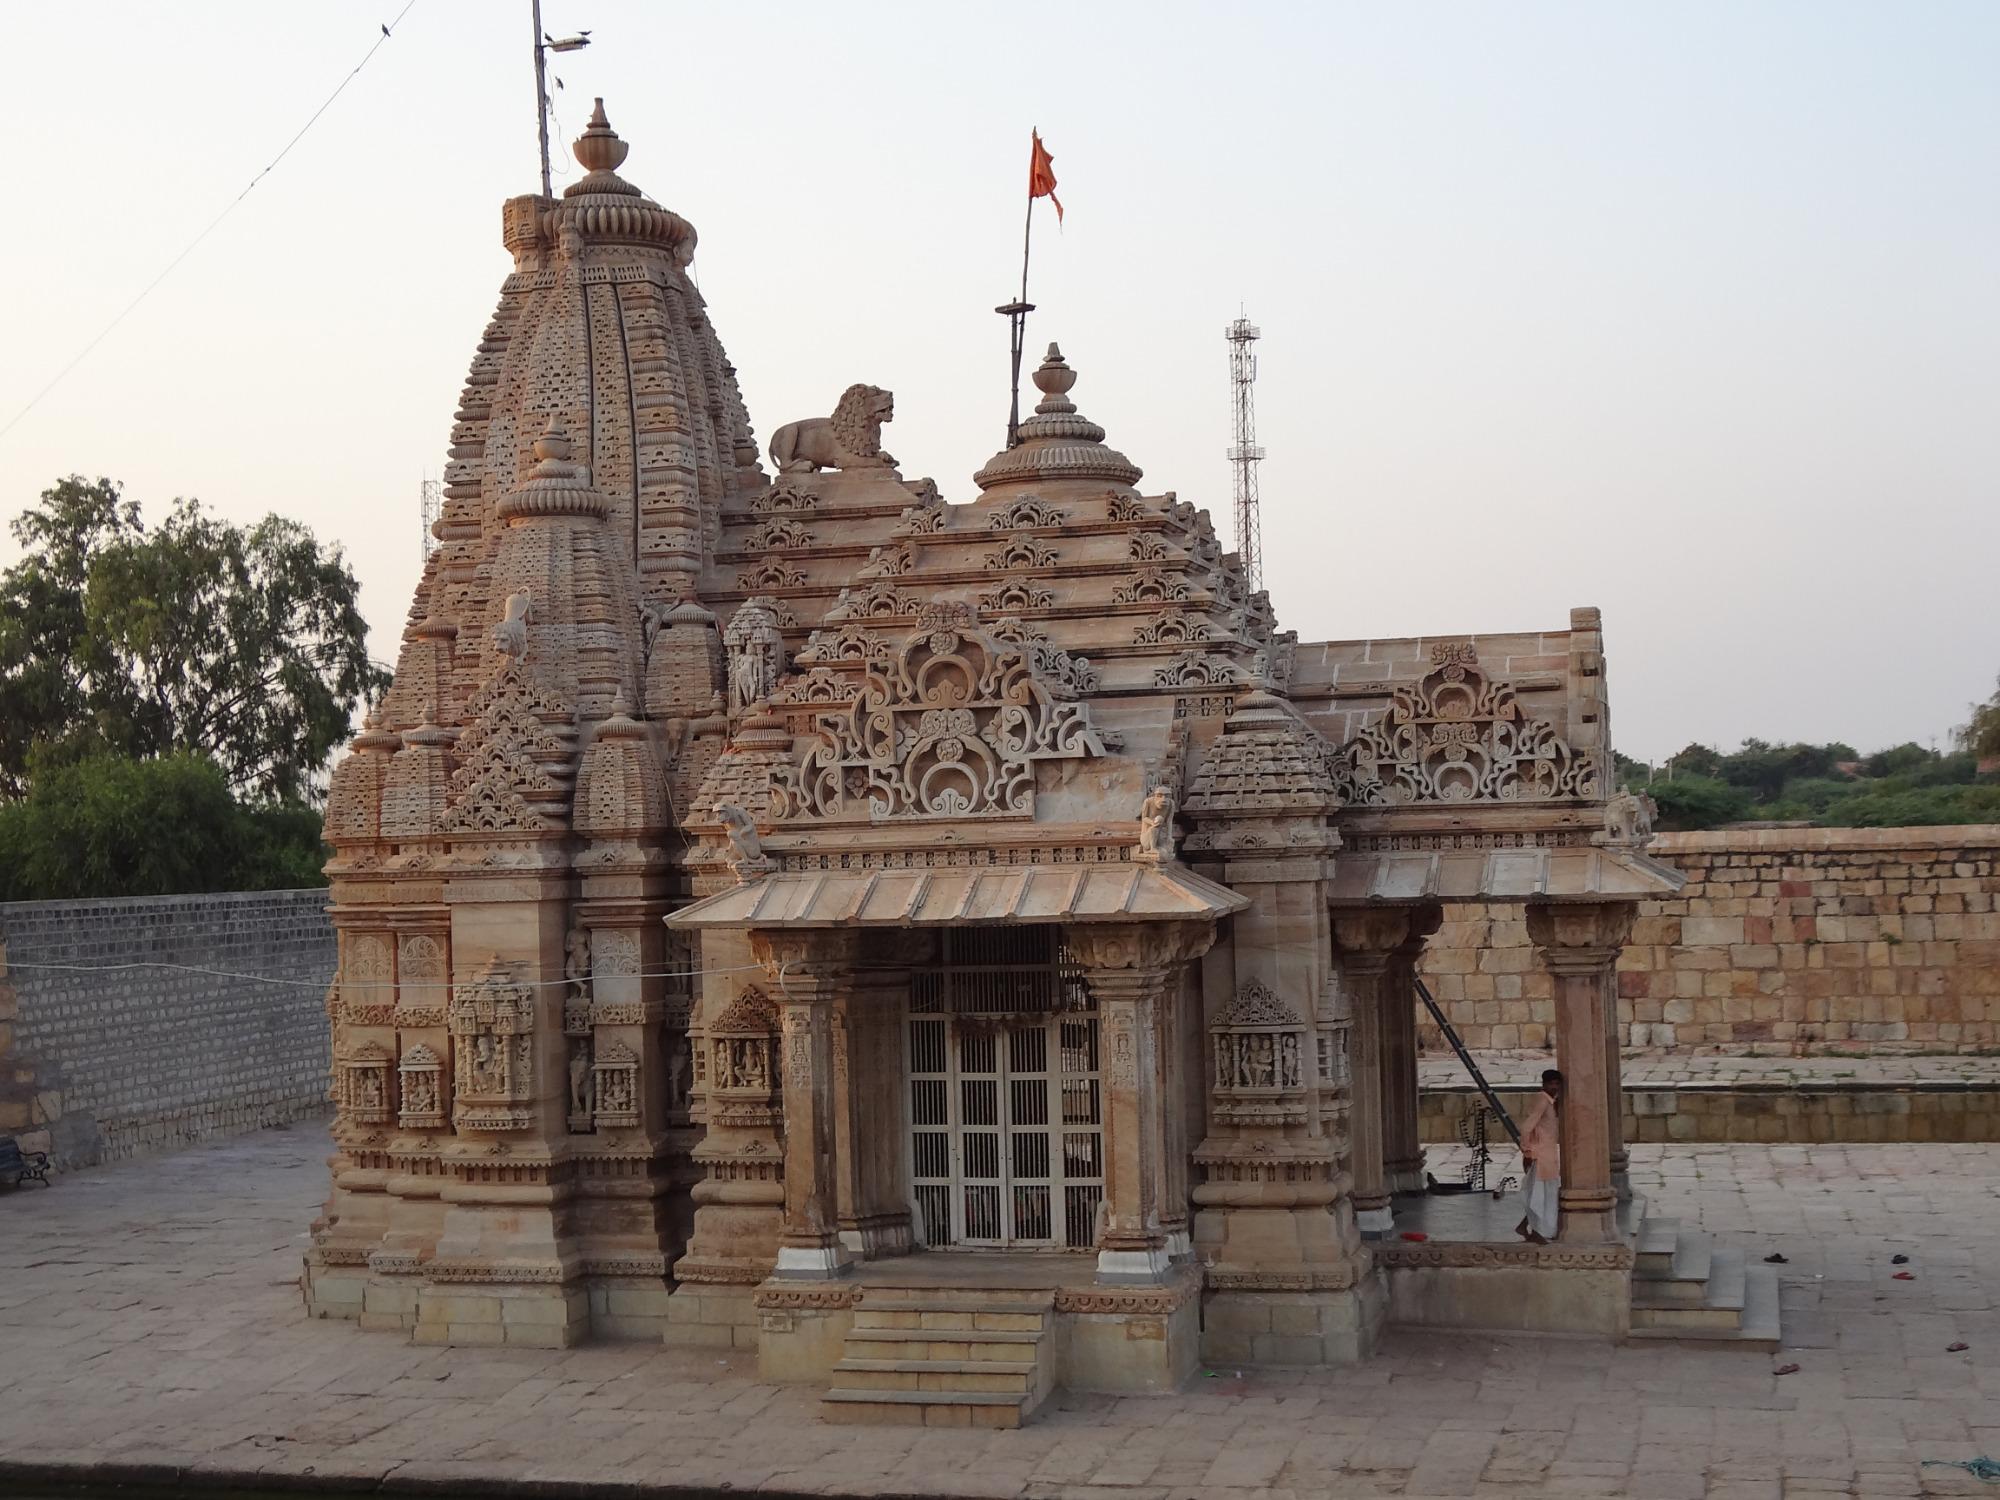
(1541, 1155)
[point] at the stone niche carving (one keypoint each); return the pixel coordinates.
(420, 981)
(756, 653)
(1029, 510)
(616, 1077)
(364, 1085)
(1461, 736)
(1260, 1062)
(492, 1028)
(743, 1081)
(951, 727)
(421, 1084)
(1016, 594)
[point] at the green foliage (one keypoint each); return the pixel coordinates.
(111, 825)
(1981, 735)
(246, 646)
(1689, 802)
(1829, 785)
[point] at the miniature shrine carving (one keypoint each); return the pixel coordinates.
(492, 1027)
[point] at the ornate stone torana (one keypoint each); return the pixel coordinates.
(952, 727)
(751, 874)
(1458, 735)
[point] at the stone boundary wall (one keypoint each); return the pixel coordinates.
(1784, 940)
(95, 1067)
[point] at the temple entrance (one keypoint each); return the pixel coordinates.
(1006, 1104)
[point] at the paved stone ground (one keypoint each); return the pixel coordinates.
(1665, 1070)
(148, 1316)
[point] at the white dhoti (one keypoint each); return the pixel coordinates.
(1541, 1195)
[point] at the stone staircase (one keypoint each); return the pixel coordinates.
(1686, 1290)
(945, 1357)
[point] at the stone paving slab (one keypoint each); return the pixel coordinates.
(1683, 1069)
(150, 1326)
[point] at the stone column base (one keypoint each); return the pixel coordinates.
(800, 1335)
(332, 1291)
(1138, 1341)
(1294, 1328)
(1521, 1298)
(551, 1316)
(629, 1309)
(711, 1315)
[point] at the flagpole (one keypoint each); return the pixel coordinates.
(1016, 314)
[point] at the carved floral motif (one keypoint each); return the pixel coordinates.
(951, 728)
(1460, 736)
(1029, 510)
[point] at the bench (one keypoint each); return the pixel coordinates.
(17, 1166)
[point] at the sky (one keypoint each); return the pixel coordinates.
(1686, 311)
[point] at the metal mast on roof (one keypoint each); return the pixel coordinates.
(1244, 454)
(545, 44)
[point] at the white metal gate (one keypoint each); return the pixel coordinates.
(1006, 1102)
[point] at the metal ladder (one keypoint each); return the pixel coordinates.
(1478, 1078)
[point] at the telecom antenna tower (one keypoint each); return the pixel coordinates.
(429, 508)
(1244, 454)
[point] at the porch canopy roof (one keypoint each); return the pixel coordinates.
(1594, 873)
(957, 897)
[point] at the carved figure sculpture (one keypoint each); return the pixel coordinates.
(579, 1082)
(1628, 819)
(510, 636)
(576, 963)
(1156, 826)
(746, 851)
(849, 439)
(756, 653)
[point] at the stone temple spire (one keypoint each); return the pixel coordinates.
(601, 331)
(1058, 442)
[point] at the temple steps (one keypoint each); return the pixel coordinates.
(1686, 1290)
(940, 1357)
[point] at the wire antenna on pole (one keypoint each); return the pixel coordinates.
(430, 507)
(1244, 454)
(544, 45)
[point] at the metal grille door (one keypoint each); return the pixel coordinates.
(1006, 1103)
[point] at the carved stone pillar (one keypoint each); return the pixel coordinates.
(1402, 1151)
(1130, 969)
(1614, 1083)
(808, 969)
(1579, 946)
(1366, 940)
(872, 1193)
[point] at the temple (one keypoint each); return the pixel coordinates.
(954, 947)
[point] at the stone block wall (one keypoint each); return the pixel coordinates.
(1809, 939)
(98, 1066)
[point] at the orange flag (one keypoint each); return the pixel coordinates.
(1042, 175)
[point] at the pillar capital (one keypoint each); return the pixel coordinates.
(1583, 937)
(1137, 946)
(1368, 935)
(796, 957)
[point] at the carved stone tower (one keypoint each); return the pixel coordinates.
(514, 1134)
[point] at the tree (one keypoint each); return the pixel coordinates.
(243, 645)
(1981, 734)
(1690, 802)
(111, 825)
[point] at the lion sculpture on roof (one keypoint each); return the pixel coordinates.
(849, 439)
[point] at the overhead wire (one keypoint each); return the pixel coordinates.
(213, 224)
(317, 984)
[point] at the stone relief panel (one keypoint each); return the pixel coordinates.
(952, 727)
(1459, 735)
(422, 1089)
(364, 1085)
(1259, 1044)
(741, 1077)
(616, 1086)
(492, 1028)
